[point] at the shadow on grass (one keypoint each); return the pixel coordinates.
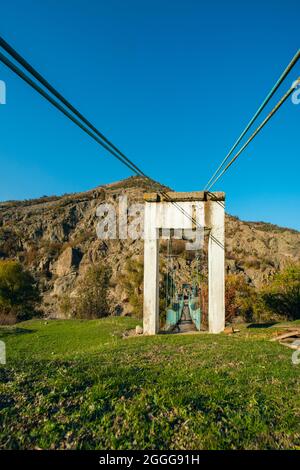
(15, 331)
(262, 325)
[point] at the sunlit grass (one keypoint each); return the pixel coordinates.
(78, 384)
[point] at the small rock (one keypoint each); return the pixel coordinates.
(138, 330)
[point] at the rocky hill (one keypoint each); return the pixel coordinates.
(55, 237)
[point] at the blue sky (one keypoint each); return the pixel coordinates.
(172, 83)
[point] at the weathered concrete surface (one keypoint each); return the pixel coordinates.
(215, 220)
(184, 196)
(151, 274)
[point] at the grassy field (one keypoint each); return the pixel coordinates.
(79, 385)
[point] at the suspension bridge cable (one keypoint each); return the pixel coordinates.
(258, 112)
(30, 82)
(107, 145)
(57, 105)
(274, 110)
(121, 156)
(11, 51)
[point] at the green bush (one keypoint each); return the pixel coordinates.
(91, 300)
(240, 298)
(18, 292)
(282, 295)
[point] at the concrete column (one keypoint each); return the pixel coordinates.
(151, 273)
(216, 266)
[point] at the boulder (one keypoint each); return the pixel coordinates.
(64, 284)
(68, 261)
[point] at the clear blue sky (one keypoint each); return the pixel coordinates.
(171, 82)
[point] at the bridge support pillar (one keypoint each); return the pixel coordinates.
(216, 267)
(174, 211)
(151, 275)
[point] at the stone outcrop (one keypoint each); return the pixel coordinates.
(68, 261)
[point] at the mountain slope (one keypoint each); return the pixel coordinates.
(55, 237)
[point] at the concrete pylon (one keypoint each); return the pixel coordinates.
(151, 272)
(162, 214)
(215, 214)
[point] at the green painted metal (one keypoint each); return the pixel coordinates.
(174, 313)
(175, 301)
(195, 312)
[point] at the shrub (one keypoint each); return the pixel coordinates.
(132, 282)
(51, 248)
(282, 295)
(239, 298)
(9, 242)
(65, 306)
(91, 300)
(18, 292)
(31, 255)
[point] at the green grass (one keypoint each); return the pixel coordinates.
(79, 385)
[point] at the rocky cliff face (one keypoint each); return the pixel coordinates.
(55, 237)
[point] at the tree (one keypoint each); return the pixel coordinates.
(282, 296)
(239, 298)
(18, 291)
(92, 300)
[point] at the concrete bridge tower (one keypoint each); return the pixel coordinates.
(178, 211)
